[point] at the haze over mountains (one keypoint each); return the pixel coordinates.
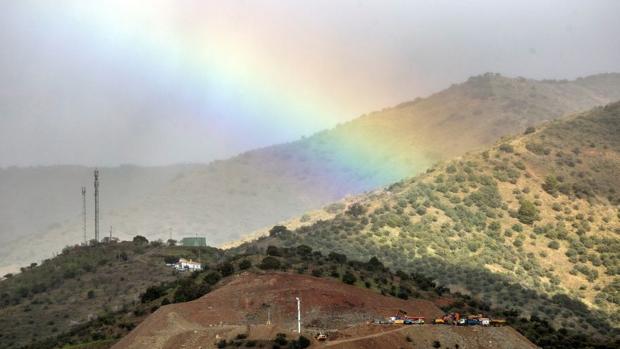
(226, 199)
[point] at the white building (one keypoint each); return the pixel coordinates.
(189, 265)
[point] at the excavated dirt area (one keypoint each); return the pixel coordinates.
(245, 303)
(428, 336)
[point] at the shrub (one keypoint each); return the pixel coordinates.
(212, 278)
(551, 185)
(554, 245)
(528, 213)
(349, 278)
(529, 130)
(507, 148)
(269, 262)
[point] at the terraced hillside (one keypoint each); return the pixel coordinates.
(229, 198)
(532, 224)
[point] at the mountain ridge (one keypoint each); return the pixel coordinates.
(228, 198)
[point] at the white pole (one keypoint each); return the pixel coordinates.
(298, 315)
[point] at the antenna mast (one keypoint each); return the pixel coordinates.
(96, 205)
(84, 214)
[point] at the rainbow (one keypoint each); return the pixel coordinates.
(228, 77)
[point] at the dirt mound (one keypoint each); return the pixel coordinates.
(248, 300)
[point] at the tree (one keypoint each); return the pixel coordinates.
(227, 269)
(273, 251)
(140, 240)
(171, 242)
(304, 250)
(213, 277)
(356, 210)
(528, 213)
(349, 278)
(269, 262)
(277, 230)
(303, 342)
(245, 264)
(151, 293)
(337, 257)
(171, 259)
(374, 264)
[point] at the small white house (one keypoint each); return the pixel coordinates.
(189, 265)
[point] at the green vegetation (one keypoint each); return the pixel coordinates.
(101, 281)
(514, 229)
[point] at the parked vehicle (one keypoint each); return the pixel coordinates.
(419, 320)
(472, 322)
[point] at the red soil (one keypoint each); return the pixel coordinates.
(245, 299)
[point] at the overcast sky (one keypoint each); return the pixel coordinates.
(160, 82)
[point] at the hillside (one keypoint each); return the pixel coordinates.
(229, 198)
(81, 286)
(51, 305)
(238, 310)
(531, 224)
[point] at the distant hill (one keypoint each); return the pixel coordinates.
(35, 200)
(229, 198)
(531, 224)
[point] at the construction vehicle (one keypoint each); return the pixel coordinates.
(497, 322)
(439, 321)
(399, 318)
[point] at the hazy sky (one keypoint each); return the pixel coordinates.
(159, 82)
